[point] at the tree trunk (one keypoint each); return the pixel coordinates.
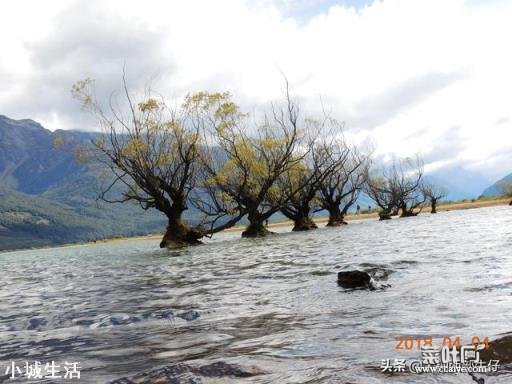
(336, 218)
(178, 235)
(406, 212)
(256, 227)
(304, 224)
(385, 214)
(403, 208)
(434, 206)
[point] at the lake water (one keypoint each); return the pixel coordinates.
(272, 303)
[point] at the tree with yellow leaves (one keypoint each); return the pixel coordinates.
(245, 162)
(155, 153)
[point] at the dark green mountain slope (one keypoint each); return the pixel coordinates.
(47, 197)
(28, 221)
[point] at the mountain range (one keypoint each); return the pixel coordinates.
(461, 183)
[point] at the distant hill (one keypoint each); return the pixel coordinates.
(493, 190)
(461, 183)
(47, 197)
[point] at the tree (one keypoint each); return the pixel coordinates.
(397, 187)
(250, 160)
(505, 188)
(343, 183)
(299, 205)
(383, 193)
(301, 184)
(153, 153)
(433, 193)
(407, 175)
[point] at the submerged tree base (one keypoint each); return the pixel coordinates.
(336, 219)
(256, 231)
(304, 224)
(409, 214)
(384, 215)
(180, 235)
(336, 223)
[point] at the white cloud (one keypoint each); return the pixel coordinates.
(404, 72)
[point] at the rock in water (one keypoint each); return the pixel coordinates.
(499, 349)
(36, 323)
(355, 279)
(188, 316)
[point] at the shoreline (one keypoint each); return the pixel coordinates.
(442, 207)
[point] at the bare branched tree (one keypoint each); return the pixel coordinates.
(303, 182)
(344, 182)
(433, 193)
(397, 187)
(383, 194)
(408, 174)
(298, 206)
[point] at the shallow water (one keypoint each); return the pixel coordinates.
(272, 303)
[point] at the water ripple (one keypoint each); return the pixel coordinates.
(127, 307)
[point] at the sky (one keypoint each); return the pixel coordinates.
(429, 77)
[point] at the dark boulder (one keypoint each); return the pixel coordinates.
(355, 279)
(36, 323)
(499, 349)
(188, 315)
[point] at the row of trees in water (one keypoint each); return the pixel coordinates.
(208, 155)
